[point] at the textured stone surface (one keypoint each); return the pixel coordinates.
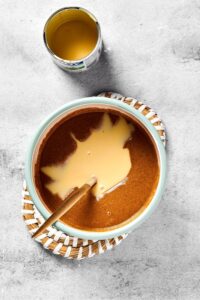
(152, 52)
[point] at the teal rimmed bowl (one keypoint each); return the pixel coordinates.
(85, 103)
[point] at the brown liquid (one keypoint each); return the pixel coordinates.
(115, 207)
(97, 156)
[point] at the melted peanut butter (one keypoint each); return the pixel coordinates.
(119, 205)
(97, 156)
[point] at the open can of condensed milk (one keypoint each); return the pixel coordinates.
(72, 35)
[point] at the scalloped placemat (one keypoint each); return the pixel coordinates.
(71, 247)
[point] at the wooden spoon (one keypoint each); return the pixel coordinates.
(66, 205)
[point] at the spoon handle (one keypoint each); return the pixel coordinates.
(67, 204)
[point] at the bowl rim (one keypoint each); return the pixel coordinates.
(93, 235)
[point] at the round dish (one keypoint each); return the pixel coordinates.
(124, 108)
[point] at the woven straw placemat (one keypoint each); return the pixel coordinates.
(72, 247)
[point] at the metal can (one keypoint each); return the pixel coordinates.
(62, 16)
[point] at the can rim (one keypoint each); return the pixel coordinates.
(65, 61)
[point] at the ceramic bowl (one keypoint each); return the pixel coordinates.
(96, 102)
